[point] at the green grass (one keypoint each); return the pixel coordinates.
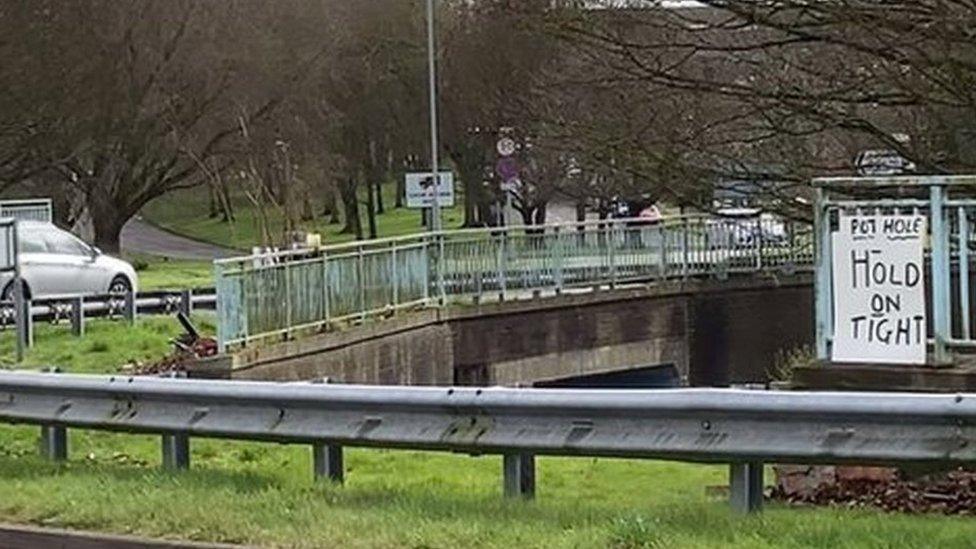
(106, 346)
(263, 494)
(160, 273)
(185, 212)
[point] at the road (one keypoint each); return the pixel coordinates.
(143, 238)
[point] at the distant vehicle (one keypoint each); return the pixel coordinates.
(56, 263)
(745, 227)
(651, 214)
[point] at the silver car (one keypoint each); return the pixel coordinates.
(56, 263)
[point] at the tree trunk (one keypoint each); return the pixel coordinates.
(214, 208)
(379, 196)
(350, 204)
(401, 187)
(107, 222)
(371, 209)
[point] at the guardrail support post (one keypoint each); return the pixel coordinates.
(746, 487)
(176, 451)
(327, 462)
(186, 302)
(54, 442)
(130, 306)
(519, 475)
(78, 316)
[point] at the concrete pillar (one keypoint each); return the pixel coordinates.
(176, 451)
(746, 487)
(54, 442)
(327, 462)
(519, 479)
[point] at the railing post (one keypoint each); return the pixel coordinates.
(186, 302)
(327, 462)
(326, 298)
(24, 321)
(941, 323)
(663, 238)
(442, 266)
(746, 487)
(394, 275)
(502, 265)
(611, 255)
(823, 279)
(78, 315)
(289, 313)
(130, 306)
(558, 260)
(361, 269)
(54, 442)
(176, 451)
(964, 273)
(519, 475)
(684, 247)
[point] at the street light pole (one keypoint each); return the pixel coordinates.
(435, 211)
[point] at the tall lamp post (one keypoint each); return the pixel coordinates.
(435, 210)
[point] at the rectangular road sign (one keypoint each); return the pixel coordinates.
(879, 289)
(420, 190)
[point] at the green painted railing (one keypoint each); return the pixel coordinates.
(262, 296)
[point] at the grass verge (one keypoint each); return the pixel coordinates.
(105, 347)
(161, 273)
(186, 212)
(263, 494)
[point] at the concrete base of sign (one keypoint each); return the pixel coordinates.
(957, 377)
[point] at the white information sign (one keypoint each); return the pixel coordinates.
(879, 289)
(420, 190)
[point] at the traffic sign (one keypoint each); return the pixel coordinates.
(420, 190)
(505, 146)
(880, 162)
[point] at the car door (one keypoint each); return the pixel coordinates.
(66, 267)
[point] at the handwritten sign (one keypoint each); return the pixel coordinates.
(879, 289)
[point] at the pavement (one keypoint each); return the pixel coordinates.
(141, 237)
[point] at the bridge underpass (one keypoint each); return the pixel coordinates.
(712, 332)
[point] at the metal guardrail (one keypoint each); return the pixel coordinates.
(744, 428)
(261, 296)
(76, 309)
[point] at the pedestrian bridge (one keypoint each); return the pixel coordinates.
(523, 306)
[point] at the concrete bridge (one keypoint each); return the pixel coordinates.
(706, 332)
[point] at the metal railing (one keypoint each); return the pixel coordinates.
(744, 428)
(276, 294)
(74, 310)
(949, 204)
(32, 209)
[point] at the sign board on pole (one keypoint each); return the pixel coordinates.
(420, 190)
(879, 289)
(881, 162)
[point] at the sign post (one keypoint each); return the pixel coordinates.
(879, 289)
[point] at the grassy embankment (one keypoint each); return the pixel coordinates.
(262, 493)
(186, 213)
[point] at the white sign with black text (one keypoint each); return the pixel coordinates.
(420, 190)
(879, 289)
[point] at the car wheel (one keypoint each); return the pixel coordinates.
(8, 291)
(120, 285)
